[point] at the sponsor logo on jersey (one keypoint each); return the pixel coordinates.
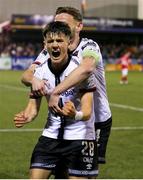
(68, 93)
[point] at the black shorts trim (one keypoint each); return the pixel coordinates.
(83, 173)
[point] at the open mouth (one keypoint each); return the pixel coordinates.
(56, 53)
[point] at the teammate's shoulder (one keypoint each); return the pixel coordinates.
(88, 42)
(43, 64)
(75, 60)
(44, 52)
(42, 57)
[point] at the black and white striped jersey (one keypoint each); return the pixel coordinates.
(73, 129)
(101, 105)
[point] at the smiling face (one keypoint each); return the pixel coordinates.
(57, 45)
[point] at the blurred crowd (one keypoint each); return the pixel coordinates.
(110, 52)
(8, 48)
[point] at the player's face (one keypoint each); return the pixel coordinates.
(75, 26)
(57, 46)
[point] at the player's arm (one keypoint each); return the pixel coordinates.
(27, 76)
(78, 75)
(86, 108)
(28, 114)
(86, 90)
(87, 105)
(29, 80)
(33, 106)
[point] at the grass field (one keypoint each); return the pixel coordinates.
(125, 148)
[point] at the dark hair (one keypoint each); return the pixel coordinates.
(58, 28)
(71, 11)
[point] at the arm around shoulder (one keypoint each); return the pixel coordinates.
(27, 76)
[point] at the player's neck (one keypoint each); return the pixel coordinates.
(74, 43)
(58, 68)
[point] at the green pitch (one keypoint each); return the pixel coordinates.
(125, 148)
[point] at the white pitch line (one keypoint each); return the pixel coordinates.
(39, 130)
(14, 88)
(127, 128)
(126, 107)
(20, 130)
(111, 104)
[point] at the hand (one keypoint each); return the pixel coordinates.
(69, 109)
(20, 119)
(48, 88)
(24, 117)
(53, 104)
(38, 87)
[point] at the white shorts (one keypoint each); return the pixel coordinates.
(124, 72)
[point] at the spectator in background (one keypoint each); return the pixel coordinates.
(125, 62)
(140, 62)
(9, 48)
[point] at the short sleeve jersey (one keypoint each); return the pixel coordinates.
(73, 129)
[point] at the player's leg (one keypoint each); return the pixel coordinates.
(125, 76)
(39, 173)
(103, 131)
(83, 160)
(122, 77)
(61, 170)
(44, 158)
